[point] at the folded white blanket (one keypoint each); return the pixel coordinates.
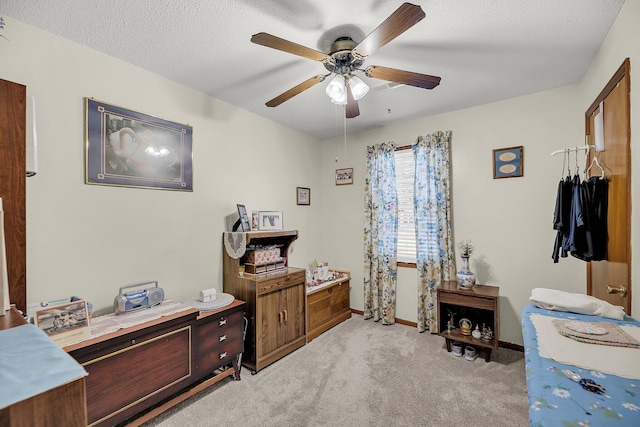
(621, 361)
(552, 299)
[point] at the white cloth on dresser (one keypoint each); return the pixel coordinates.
(553, 299)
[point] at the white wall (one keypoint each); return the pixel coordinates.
(508, 220)
(89, 240)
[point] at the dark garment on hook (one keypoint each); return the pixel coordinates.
(580, 218)
(580, 243)
(597, 192)
(562, 217)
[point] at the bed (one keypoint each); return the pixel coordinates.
(556, 397)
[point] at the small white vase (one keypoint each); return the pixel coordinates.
(466, 278)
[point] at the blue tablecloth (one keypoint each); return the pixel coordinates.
(30, 364)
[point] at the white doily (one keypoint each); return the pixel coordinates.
(222, 300)
(235, 243)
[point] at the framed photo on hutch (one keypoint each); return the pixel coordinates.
(243, 219)
(269, 220)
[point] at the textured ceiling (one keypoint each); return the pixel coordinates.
(484, 51)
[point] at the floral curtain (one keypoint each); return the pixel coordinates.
(380, 234)
(435, 257)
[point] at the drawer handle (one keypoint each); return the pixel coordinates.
(223, 322)
(286, 316)
(223, 355)
(222, 338)
(281, 316)
(329, 290)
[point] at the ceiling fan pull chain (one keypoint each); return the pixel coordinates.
(344, 118)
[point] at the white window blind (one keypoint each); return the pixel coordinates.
(405, 170)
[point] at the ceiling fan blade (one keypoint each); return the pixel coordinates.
(424, 81)
(296, 90)
(274, 42)
(405, 17)
(351, 109)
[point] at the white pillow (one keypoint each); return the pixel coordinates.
(552, 299)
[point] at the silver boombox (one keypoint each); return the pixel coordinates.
(126, 302)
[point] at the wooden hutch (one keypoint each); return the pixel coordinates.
(275, 298)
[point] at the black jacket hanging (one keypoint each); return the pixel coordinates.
(580, 218)
(562, 217)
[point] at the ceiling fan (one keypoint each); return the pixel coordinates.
(344, 57)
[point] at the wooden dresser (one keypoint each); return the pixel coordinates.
(138, 372)
(276, 301)
(327, 305)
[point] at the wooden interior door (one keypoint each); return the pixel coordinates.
(610, 280)
(13, 121)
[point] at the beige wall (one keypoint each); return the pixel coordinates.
(90, 240)
(508, 220)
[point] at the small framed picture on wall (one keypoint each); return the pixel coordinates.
(508, 162)
(344, 176)
(303, 196)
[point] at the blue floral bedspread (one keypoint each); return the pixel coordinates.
(556, 400)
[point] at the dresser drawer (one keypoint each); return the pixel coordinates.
(220, 339)
(280, 283)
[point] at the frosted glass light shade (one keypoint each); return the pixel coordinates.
(358, 87)
(336, 89)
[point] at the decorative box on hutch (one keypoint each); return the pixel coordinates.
(276, 298)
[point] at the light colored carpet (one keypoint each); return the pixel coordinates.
(362, 373)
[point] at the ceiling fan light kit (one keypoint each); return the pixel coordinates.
(344, 57)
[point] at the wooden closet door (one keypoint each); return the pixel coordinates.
(13, 122)
(605, 279)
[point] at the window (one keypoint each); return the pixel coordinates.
(405, 171)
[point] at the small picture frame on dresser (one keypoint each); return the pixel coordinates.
(269, 220)
(65, 324)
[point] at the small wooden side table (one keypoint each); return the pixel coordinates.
(479, 305)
